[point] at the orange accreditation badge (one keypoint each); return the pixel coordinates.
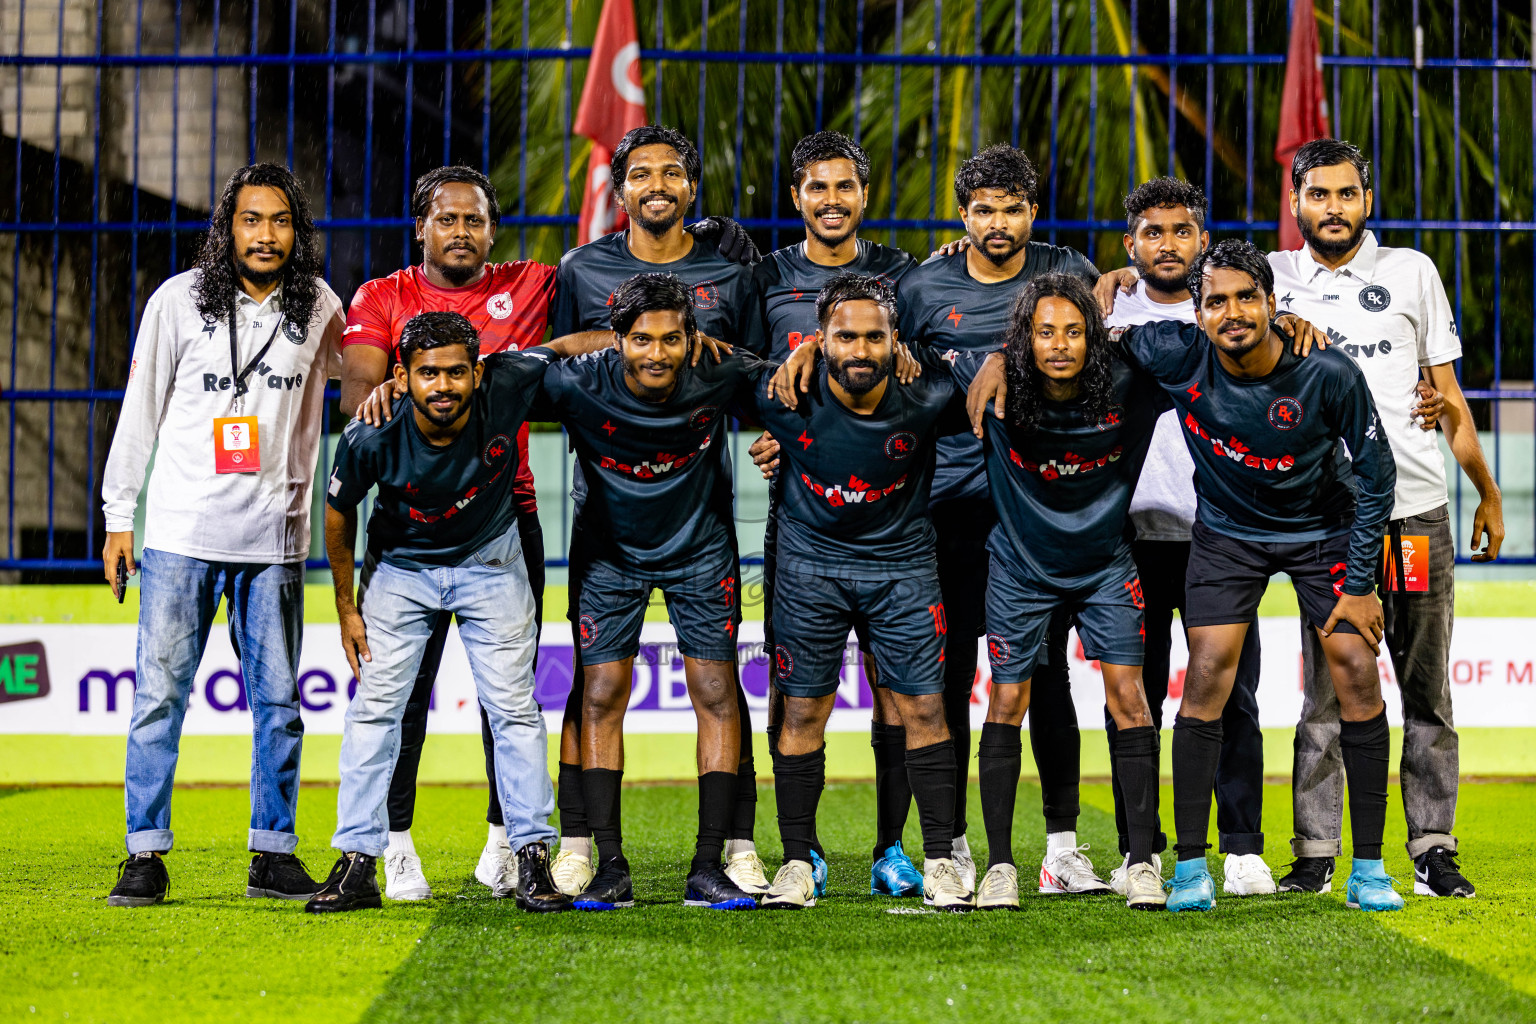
(236, 445)
(1415, 563)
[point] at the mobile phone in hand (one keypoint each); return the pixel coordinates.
(122, 578)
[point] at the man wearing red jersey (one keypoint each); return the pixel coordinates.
(508, 304)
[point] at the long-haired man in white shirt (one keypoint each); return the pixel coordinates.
(228, 378)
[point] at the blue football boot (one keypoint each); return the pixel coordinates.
(819, 874)
(894, 874)
(709, 887)
(1370, 888)
(1191, 887)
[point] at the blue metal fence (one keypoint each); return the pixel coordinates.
(127, 115)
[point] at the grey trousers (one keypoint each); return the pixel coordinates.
(1418, 639)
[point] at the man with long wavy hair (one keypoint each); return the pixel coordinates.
(228, 376)
(1062, 465)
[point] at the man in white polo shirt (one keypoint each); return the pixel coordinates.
(228, 377)
(1387, 308)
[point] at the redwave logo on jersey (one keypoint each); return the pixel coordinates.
(1237, 451)
(1069, 464)
(855, 492)
(23, 672)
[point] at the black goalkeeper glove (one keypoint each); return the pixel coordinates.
(729, 238)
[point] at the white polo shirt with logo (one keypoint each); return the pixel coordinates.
(1388, 309)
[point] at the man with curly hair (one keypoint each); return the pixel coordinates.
(1063, 458)
(228, 376)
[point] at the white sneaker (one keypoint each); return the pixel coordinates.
(493, 861)
(943, 888)
(506, 882)
(746, 870)
(1117, 877)
(965, 866)
(403, 879)
(999, 888)
(1068, 870)
(1246, 874)
(572, 871)
(793, 887)
(1144, 886)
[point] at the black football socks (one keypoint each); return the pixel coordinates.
(798, 780)
(1196, 749)
(931, 772)
(1136, 767)
(893, 789)
(1365, 749)
(999, 756)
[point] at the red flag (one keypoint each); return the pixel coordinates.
(612, 102)
(1303, 109)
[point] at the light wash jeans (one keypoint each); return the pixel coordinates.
(1418, 640)
(490, 597)
(178, 597)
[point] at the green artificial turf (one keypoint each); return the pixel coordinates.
(209, 954)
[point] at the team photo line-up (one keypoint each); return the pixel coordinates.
(999, 441)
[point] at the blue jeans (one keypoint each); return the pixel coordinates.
(490, 597)
(178, 597)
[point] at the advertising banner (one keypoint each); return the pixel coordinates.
(79, 679)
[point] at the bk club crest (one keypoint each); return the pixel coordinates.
(496, 450)
(783, 661)
(997, 649)
(1375, 298)
(900, 445)
(588, 628)
(1285, 414)
(705, 295)
(499, 306)
(703, 416)
(1113, 418)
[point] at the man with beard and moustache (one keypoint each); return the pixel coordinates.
(442, 539)
(238, 348)
(656, 173)
(961, 301)
(457, 214)
(1387, 308)
(856, 547)
(1264, 428)
(645, 424)
(1165, 231)
(829, 183)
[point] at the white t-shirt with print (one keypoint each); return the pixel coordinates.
(1163, 507)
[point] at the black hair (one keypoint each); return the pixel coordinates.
(851, 287)
(649, 293)
(1164, 192)
(1234, 254)
(438, 330)
(218, 277)
(998, 166)
(428, 184)
(1026, 384)
(827, 146)
(1327, 153)
(653, 135)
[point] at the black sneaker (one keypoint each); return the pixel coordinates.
(1308, 874)
(353, 885)
(609, 890)
(142, 881)
(709, 886)
(1436, 874)
(282, 876)
(536, 891)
